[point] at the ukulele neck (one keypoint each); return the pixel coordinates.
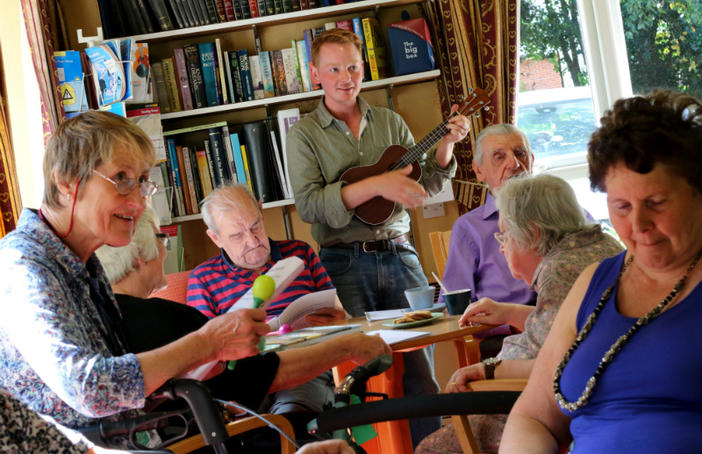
(415, 152)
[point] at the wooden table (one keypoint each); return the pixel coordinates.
(394, 436)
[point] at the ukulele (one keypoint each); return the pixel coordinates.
(379, 209)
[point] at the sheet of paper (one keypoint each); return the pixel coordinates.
(373, 316)
(394, 336)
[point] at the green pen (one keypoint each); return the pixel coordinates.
(263, 288)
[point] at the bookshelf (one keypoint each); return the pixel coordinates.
(402, 93)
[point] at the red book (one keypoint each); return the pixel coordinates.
(229, 10)
(253, 6)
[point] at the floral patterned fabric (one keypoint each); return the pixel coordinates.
(54, 350)
(23, 431)
(552, 281)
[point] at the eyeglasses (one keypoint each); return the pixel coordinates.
(125, 186)
(165, 239)
(500, 237)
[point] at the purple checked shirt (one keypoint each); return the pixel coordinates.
(475, 262)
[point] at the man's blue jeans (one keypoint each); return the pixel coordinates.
(377, 281)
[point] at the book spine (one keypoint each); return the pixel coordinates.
(229, 153)
(278, 7)
(161, 12)
(195, 12)
(161, 90)
(112, 23)
(197, 86)
(221, 15)
(146, 18)
(182, 169)
(199, 191)
(304, 4)
(375, 48)
(279, 72)
(209, 72)
(295, 4)
(244, 8)
(245, 71)
(261, 7)
(228, 75)
(229, 14)
(175, 171)
(182, 77)
(204, 15)
(257, 147)
(247, 170)
(270, 7)
(264, 58)
(292, 83)
(221, 77)
(287, 6)
(304, 66)
(238, 158)
(175, 12)
(168, 176)
(136, 16)
(218, 155)
(211, 11)
(190, 179)
(358, 30)
(211, 164)
(171, 84)
(253, 8)
(187, 13)
(204, 172)
(256, 76)
(298, 69)
(236, 76)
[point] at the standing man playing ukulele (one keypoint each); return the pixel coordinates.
(370, 265)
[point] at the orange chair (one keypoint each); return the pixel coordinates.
(177, 289)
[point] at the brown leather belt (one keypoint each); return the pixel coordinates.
(377, 245)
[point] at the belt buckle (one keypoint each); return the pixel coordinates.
(363, 246)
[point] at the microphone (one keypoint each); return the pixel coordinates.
(263, 288)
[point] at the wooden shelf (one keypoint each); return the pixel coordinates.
(296, 16)
(194, 217)
(390, 81)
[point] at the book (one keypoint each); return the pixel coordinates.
(108, 74)
(304, 65)
(410, 46)
(197, 85)
(204, 172)
(229, 154)
(375, 48)
(190, 178)
(329, 25)
(149, 120)
(187, 13)
(236, 76)
(136, 15)
(239, 166)
(88, 84)
(161, 93)
(264, 59)
(111, 18)
(186, 186)
(161, 14)
(247, 170)
(175, 172)
(221, 77)
(194, 170)
(210, 163)
(252, 8)
(175, 260)
(175, 12)
(308, 35)
(357, 25)
(291, 65)
(281, 87)
(228, 77)
(160, 200)
(171, 84)
(261, 167)
(245, 7)
(278, 161)
(346, 24)
(71, 83)
(209, 72)
(218, 154)
(215, 11)
(140, 70)
(286, 119)
(181, 74)
(256, 77)
(305, 305)
(229, 14)
(245, 73)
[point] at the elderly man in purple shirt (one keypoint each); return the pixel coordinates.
(475, 261)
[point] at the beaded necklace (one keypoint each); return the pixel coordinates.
(620, 342)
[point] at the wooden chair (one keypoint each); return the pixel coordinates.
(460, 422)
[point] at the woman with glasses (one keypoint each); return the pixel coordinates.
(63, 350)
(547, 243)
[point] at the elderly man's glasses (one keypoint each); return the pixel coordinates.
(163, 237)
(125, 185)
(500, 237)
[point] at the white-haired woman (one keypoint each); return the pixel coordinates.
(547, 243)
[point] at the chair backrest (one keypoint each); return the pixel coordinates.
(440, 249)
(177, 289)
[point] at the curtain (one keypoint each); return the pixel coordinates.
(46, 32)
(476, 46)
(9, 195)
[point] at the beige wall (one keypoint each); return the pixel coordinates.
(23, 103)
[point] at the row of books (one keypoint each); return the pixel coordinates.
(201, 158)
(136, 17)
(203, 75)
(114, 71)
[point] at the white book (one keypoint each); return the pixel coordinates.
(221, 63)
(292, 81)
(279, 167)
(286, 119)
(305, 305)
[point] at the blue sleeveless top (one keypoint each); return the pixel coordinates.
(649, 399)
